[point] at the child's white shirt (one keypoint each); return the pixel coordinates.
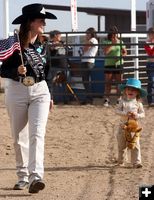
(133, 105)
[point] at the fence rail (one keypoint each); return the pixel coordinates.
(134, 63)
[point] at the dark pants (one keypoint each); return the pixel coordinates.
(150, 88)
(86, 78)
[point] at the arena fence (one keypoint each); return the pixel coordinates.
(134, 63)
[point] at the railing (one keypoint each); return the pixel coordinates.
(134, 62)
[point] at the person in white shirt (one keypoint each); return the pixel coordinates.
(88, 59)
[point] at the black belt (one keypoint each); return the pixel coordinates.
(29, 80)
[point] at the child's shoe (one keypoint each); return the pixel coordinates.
(106, 102)
(120, 164)
(118, 101)
(138, 165)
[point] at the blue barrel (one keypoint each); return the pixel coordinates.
(98, 75)
(60, 94)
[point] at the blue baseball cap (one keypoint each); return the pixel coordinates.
(134, 83)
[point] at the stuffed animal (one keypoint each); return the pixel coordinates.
(59, 78)
(132, 132)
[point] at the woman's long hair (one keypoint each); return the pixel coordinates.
(151, 30)
(112, 31)
(92, 32)
(24, 33)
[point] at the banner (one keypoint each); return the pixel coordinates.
(74, 15)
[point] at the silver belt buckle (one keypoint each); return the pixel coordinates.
(28, 81)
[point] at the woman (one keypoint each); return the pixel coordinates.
(28, 99)
(113, 65)
(88, 59)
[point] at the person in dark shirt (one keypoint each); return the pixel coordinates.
(57, 62)
(149, 48)
(28, 99)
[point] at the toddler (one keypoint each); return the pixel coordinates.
(130, 107)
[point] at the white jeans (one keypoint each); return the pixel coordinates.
(28, 109)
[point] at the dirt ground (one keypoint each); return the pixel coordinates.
(80, 151)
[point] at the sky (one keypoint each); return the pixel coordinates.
(63, 23)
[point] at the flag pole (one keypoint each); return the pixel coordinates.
(6, 18)
(16, 32)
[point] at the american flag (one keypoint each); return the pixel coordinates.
(8, 46)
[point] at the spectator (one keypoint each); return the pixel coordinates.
(88, 59)
(113, 66)
(58, 66)
(149, 48)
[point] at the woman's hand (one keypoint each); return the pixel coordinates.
(51, 105)
(22, 70)
(124, 52)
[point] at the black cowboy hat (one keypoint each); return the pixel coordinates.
(33, 11)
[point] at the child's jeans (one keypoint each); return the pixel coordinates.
(123, 150)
